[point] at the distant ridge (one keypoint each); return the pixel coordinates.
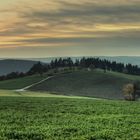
(24, 64)
(135, 60)
(13, 65)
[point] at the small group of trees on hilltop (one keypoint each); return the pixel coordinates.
(91, 63)
(37, 68)
(94, 63)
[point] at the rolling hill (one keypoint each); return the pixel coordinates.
(84, 83)
(13, 65)
(19, 83)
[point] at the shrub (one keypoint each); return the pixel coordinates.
(50, 74)
(129, 92)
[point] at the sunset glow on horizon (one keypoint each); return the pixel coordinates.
(69, 28)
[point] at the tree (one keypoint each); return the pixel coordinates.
(77, 62)
(37, 68)
(129, 92)
(82, 62)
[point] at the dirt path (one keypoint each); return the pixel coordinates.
(25, 88)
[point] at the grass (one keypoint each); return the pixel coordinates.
(44, 116)
(53, 118)
(84, 83)
(12, 93)
(95, 83)
(20, 82)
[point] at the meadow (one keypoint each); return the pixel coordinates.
(53, 118)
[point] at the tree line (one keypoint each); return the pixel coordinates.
(90, 63)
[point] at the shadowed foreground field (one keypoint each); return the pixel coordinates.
(28, 118)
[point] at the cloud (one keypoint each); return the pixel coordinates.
(69, 23)
(60, 15)
(91, 11)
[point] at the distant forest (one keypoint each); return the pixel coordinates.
(89, 63)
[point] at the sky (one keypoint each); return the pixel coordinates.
(51, 28)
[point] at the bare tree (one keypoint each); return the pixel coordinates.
(129, 92)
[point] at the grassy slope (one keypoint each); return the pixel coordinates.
(68, 119)
(12, 93)
(20, 82)
(25, 81)
(84, 83)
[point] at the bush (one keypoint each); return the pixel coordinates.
(129, 92)
(50, 74)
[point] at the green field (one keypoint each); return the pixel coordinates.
(12, 93)
(84, 83)
(53, 118)
(66, 115)
(21, 82)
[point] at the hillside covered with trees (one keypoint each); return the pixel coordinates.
(90, 63)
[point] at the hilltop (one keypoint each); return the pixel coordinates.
(95, 83)
(87, 83)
